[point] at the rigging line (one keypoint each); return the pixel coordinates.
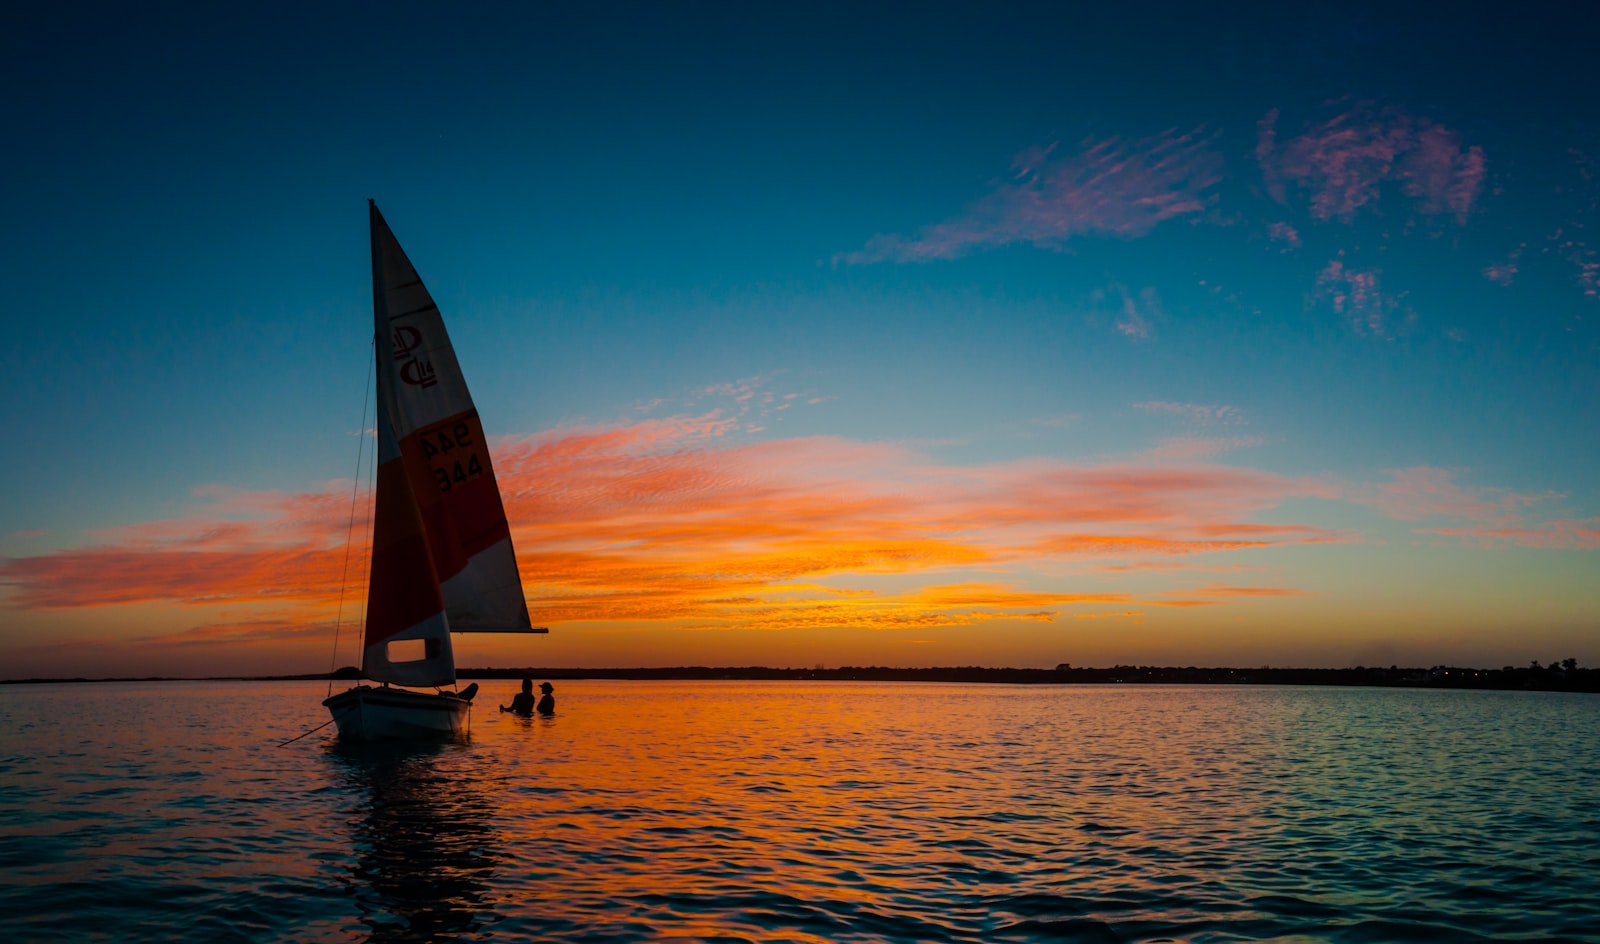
(312, 731)
(372, 498)
(350, 528)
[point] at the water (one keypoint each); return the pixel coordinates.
(746, 811)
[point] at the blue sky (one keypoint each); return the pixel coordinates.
(1337, 245)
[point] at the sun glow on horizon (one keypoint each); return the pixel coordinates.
(688, 523)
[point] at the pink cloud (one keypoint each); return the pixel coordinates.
(1284, 233)
(1357, 295)
(1342, 165)
(1497, 515)
(1423, 492)
(1585, 261)
(1569, 240)
(1439, 174)
(1502, 273)
(1110, 187)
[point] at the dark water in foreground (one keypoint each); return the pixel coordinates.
(788, 812)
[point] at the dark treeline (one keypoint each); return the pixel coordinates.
(1564, 676)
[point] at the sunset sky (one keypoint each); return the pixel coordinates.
(896, 334)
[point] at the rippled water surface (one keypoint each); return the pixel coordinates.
(756, 811)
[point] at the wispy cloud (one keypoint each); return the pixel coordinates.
(1341, 165)
(1110, 187)
(1200, 414)
(1224, 590)
(1063, 421)
(1570, 240)
(1216, 593)
(1502, 273)
(1172, 565)
(257, 631)
(1110, 545)
(1133, 315)
(1358, 296)
(1197, 448)
(1425, 492)
(1493, 517)
(1565, 533)
(1284, 233)
(1190, 447)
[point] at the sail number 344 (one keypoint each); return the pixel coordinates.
(452, 456)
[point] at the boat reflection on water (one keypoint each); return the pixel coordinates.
(425, 846)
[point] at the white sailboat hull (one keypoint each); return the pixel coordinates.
(365, 713)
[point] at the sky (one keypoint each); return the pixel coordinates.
(816, 334)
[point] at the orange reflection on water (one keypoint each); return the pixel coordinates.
(792, 811)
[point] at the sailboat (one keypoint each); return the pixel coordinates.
(442, 559)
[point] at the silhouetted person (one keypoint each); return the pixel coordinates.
(547, 701)
(522, 703)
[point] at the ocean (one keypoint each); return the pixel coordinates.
(785, 811)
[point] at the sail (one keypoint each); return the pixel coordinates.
(442, 557)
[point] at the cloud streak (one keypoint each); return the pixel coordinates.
(1562, 534)
(1109, 187)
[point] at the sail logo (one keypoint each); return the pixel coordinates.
(419, 374)
(406, 340)
(413, 370)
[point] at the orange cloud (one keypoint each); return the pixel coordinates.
(1566, 533)
(1078, 544)
(1215, 593)
(111, 575)
(671, 521)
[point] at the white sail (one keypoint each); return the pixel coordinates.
(442, 554)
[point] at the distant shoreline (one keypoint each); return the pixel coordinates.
(1531, 678)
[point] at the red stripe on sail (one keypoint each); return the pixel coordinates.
(404, 589)
(448, 465)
